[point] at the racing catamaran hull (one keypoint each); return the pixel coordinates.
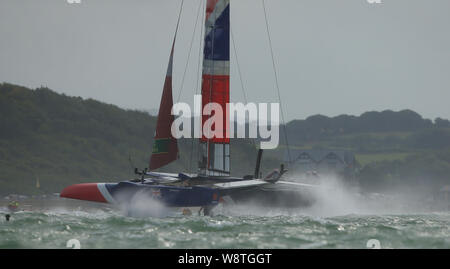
(281, 194)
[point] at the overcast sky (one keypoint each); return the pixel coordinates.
(333, 56)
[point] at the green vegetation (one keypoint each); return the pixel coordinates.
(365, 159)
(393, 149)
(427, 170)
(64, 140)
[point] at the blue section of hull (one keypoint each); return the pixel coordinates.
(171, 196)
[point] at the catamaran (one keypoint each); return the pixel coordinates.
(212, 183)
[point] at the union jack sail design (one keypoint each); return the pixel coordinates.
(215, 152)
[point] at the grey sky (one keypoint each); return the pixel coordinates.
(333, 56)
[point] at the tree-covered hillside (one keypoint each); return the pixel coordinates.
(61, 140)
(394, 149)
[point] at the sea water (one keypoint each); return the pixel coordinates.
(238, 227)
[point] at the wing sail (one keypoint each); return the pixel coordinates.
(215, 151)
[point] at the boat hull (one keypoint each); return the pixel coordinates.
(125, 192)
(273, 196)
(201, 192)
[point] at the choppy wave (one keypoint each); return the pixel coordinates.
(111, 229)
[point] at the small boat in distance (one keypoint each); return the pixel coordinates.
(213, 183)
(13, 206)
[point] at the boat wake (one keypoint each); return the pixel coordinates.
(331, 198)
(141, 205)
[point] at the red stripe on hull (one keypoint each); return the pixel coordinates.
(86, 192)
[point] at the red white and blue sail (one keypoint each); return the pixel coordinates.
(215, 151)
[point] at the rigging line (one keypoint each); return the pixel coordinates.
(189, 54)
(179, 17)
(238, 66)
(173, 46)
(197, 86)
(240, 74)
(276, 80)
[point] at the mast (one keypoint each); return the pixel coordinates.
(215, 151)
